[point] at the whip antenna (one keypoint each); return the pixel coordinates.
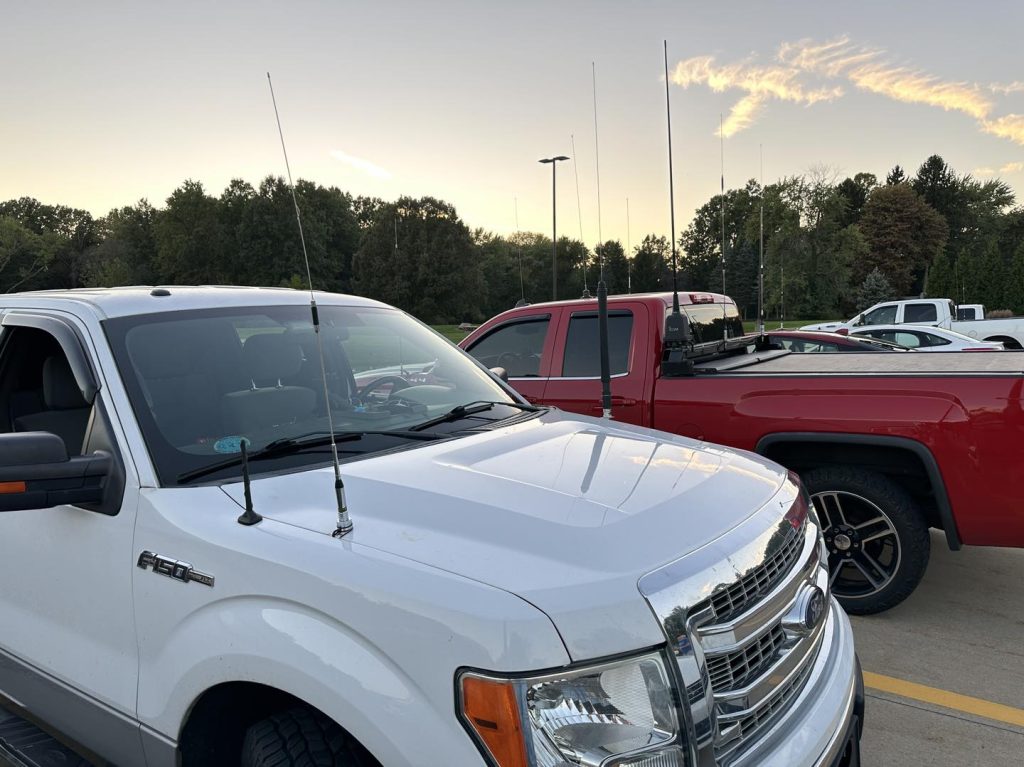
(597, 164)
(344, 525)
(579, 214)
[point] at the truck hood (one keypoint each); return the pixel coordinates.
(566, 512)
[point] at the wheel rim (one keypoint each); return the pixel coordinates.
(863, 545)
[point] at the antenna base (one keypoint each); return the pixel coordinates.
(250, 517)
(341, 531)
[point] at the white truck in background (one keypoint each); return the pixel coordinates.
(940, 312)
(522, 587)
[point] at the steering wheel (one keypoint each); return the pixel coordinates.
(397, 384)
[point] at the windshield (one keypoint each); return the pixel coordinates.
(202, 381)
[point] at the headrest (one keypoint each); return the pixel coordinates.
(60, 389)
(269, 357)
(161, 350)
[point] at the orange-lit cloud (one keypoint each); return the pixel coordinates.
(1010, 167)
(1007, 126)
(804, 69)
(359, 163)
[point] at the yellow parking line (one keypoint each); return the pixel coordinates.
(937, 697)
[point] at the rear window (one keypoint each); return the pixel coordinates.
(709, 322)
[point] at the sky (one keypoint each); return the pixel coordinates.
(104, 103)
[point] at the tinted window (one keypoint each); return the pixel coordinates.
(883, 315)
(516, 347)
(709, 321)
(582, 345)
(930, 339)
(804, 346)
(919, 313)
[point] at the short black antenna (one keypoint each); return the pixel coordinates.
(344, 525)
(249, 516)
(678, 337)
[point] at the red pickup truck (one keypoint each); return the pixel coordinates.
(887, 445)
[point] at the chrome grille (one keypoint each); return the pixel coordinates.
(735, 669)
(732, 600)
(763, 715)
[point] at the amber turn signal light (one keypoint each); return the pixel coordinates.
(491, 709)
(11, 488)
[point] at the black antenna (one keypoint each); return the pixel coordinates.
(249, 516)
(677, 326)
(721, 139)
(760, 270)
(344, 525)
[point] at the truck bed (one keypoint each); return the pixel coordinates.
(925, 364)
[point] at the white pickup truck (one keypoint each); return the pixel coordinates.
(521, 586)
(940, 312)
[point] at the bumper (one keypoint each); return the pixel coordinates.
(822, 728)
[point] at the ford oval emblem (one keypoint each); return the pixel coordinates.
(807, 610)
(815, 608)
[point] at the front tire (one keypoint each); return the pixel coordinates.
(300, 737)
(877, 538)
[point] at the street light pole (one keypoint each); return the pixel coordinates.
(554, 226)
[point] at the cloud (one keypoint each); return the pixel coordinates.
(805, 72)
(1007, 126)
(359, 163)
(762, 83)
(1010, 167)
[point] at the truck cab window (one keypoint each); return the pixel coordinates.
(582, 345)
(919, 313)
(883, 315)
(38, 391)
(517, 347)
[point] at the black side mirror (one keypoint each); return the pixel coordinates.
(36, 473)
(501, 373)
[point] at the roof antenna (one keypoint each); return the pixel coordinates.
(344, 525)
(602, 288)
(678, 336)
(721, 139)
(579, 214)
(249, 516)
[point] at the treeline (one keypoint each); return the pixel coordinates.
(830, 246)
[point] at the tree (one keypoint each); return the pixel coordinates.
(24, 255)
(616, 267)
(904, 234)
(429, 269)
(873, 290)
(896, 176)
(651, 259)
(189, 242)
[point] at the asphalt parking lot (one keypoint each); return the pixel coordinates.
(944, 671)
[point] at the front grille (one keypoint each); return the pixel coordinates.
(763, 715)
(731, 601)
(733, 670)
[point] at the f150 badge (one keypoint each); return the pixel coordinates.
(173, 568)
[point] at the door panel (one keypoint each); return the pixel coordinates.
(66, 603)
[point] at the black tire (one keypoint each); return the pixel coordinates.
(876, 535)
(300, 737)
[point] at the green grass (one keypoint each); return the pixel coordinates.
(451, 332)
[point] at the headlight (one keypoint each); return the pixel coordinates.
(619, 714)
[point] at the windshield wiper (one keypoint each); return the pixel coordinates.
(469, 408)
(287, 445)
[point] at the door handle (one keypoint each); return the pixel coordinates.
(616, 402)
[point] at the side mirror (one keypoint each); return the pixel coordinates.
(501, 373)
(36, 473)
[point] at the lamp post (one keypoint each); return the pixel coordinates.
(554, 225)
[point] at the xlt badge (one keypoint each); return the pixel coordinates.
(173, 568)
